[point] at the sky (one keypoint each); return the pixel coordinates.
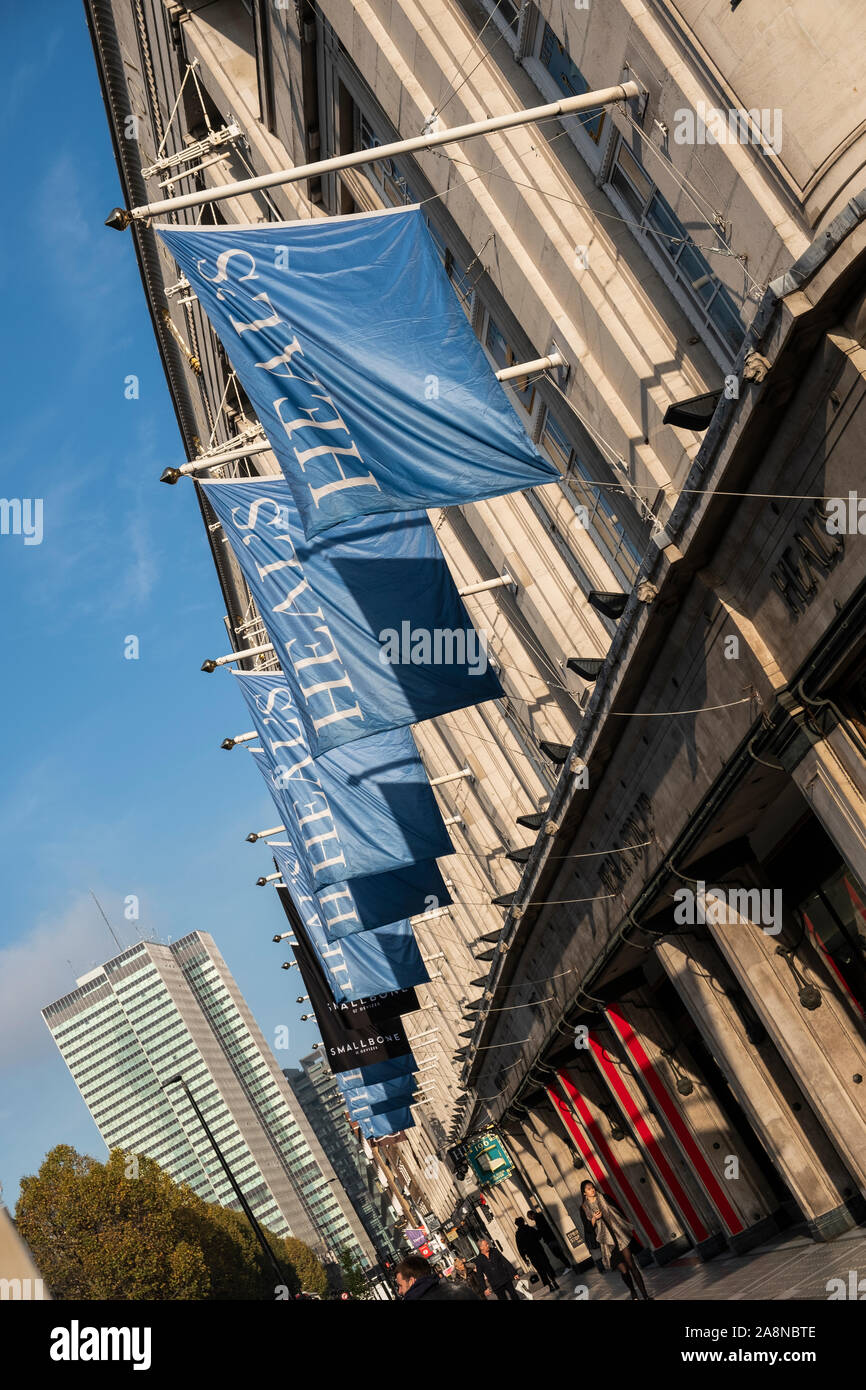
(113, 781)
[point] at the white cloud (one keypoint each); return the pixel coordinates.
(36, 970)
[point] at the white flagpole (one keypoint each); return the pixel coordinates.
(120, 218)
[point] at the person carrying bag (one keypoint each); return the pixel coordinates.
(605, 1228)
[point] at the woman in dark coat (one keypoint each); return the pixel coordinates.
(606, 1228)
(468, 1275)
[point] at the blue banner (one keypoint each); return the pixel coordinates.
(365, 808)
(381, 1071)
(378, 1092)
(366, 964)
(368, 624)
(375, 901)
(379, 1126)
(360, 1103)
(357, 1107)
(351, 344)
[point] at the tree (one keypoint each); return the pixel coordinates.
(123, 1230)
(353, 1274)
(309, 1271)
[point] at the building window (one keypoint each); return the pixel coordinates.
(506, 16)
(568, 77)
(706, 294)
(503, 355)
(604, 520)
(389, 183)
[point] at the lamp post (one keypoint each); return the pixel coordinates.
(247, 1209)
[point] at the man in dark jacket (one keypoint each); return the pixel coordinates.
(415, 1279)
(531, 1248)
(543, 1227)
(500, 1273)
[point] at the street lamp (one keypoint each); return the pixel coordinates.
(247, 1209)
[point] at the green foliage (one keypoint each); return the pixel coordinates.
(353, 1274)
(123, 1230)
(310, 1272)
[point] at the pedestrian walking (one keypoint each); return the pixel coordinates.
(531, 1249)
(469, 1275)
(545, 1230)
(606, 1228)
(415, 1280)
(492, 1266)
(543, 1227)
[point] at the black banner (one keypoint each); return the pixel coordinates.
(358, 1034)
(358, 1013)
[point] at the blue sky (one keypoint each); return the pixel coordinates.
(113, 778)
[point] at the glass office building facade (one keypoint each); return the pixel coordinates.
(156, 1012)
(324, 1105)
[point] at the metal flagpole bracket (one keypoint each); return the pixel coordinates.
(239, 738)
(120, 218)
(465, 773)
(263, 834)
(213, 662)
(223, 453)
(561, 369)
(504, 581)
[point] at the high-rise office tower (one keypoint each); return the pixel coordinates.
(157, 1012)
(324, 1106)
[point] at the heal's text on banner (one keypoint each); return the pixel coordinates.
(364, 808)
(350, 342)
(368, 625)
(360, 904)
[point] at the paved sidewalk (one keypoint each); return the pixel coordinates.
(788, 1268)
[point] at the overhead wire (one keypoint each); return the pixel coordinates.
(451, 94)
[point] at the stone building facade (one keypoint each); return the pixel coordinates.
(653, 969)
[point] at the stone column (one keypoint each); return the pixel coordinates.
(549, 1162)
(659, 1151)
(809, 1020)
(686, 1107)
(762, 1084)
(617, 1166)
(832, 778)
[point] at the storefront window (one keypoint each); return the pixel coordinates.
(835, 918)
(506, 12)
